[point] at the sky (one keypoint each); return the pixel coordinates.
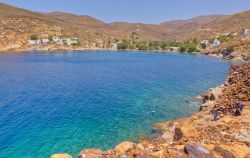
(143, 11)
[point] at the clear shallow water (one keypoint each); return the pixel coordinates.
(66, 101)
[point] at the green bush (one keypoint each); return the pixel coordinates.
(123, 45)
(230, 48)
(33, 37)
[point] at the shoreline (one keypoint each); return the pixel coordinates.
(238, 59)
(206, 133)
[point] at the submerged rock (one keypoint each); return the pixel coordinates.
(91, 153)
(61, 156)
(196, 150)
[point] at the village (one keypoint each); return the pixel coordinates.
(56, 39)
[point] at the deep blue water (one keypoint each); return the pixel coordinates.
(66, 101)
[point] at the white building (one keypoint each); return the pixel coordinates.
(215, 43)
(45, 41)
(71, 41)
(205, 42)
(57, 40)
(113, 46)
(245, 32)
(34, 42)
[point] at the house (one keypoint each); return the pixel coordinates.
(45, 41)
(206, 42)
(34, 42)
(215, 43)
(113, 46)
(57, 40)
(71, 41)
(245, 32)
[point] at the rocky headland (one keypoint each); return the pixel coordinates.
(220, 129)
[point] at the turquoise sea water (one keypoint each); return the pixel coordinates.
(66, 101)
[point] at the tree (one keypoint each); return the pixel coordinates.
(33, 37)
(230, 49)
(192, 48)
(123, 45)
(50, 38)
(183, 48)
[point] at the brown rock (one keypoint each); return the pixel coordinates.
(61, 156)
(196, 150)
(91, 153)
(178, 134)
(124, 147)
(223, 153)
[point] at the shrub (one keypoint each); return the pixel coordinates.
(33, 37)
(230, 48)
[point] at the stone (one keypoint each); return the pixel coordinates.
(124, 147)
(223, 153)
(195, 150)
(159, 154)
(178, 134)
(91, 153)
(61, 156)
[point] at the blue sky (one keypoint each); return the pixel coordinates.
(146, 11)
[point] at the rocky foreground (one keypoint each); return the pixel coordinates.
(221, 129)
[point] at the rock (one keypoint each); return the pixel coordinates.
(247, 155)
(223, 153)
(124, 147)
(91, 153)
(178, 134)
(212, 97)
(196, 150)
(159, 154)
(239, 108)
(61, 156)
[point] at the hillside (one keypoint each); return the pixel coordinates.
(17, 25)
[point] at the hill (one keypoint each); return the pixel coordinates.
(17, 25)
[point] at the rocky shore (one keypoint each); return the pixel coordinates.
(220, 129)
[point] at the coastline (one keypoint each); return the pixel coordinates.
(235, 59)
(205, 133)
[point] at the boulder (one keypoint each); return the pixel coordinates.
(91, 153)
(61, 156)
(223, 153)
(178, 134)
(124, 147)
(195, 150)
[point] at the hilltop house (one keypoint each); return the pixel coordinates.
(245, 32)
(215, 43)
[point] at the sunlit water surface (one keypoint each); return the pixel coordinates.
(62, 102)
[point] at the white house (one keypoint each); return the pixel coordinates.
(113, 46)
(245, 32)
(205, 42)
(57, 40)
(215, 43)
(45, 41)
(71, 41)
(34, 42)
